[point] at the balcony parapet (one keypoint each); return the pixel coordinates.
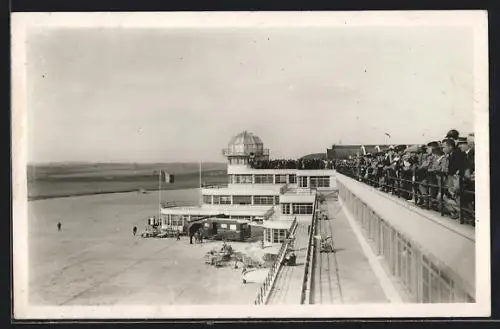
(229, 152)
(214, 186)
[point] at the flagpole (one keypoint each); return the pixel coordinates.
(159, 195)
(201, 197)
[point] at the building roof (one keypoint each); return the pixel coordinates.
(278, 224)
(215, 210)
(245, 138)
(245, 144)
(245, 189)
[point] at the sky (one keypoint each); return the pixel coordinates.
(162, 95)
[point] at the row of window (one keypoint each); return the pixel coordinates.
(315, 181)
(262, 179)
(238, 161)
(266, 199)
(297, 208)
(231, 227)
(423, 280)
(320, 181)
(180, 220)
(242, 199)
(240, 179)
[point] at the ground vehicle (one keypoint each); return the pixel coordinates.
(225, 229)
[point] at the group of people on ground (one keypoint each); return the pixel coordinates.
(198, 237)
(425, 174)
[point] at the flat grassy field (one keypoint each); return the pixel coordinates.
(63, 180)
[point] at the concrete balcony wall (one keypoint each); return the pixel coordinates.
(431, 257)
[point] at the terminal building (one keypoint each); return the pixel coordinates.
(270, 198)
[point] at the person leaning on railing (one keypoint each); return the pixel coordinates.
(466, 146)
(427, 174)
(452, 168)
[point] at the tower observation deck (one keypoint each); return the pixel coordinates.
(244, 147)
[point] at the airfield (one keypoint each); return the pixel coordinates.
(95, 259)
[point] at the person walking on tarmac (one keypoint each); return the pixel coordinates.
(178, 235)
(134, 230)
(59, 226)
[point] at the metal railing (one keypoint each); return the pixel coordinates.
(171, 204)
(214, 186)
(292, 164)
(267, 285)
(305, 295)
(261, 152)
(436, 197)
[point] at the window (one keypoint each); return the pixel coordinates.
(303, 181)
(263, 200)
(242, 179)
(216, 199)
(232, 227)
(302, 208)
(292, 179)
(223, 225)
(320, 181)
(285, 208)
(225, 199)
(176, 220)
(280, 179)
(238, 161)
(278, 235)
(276, 199)
(263, 179)
(268, 235)
(207, 199)
(206, 225)
(242, 199)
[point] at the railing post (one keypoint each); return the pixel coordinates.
(441, 194)
(460, 197)
(428, 188)
(398, 183)
(414, 186)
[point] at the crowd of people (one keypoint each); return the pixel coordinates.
(438, 175)
(292, 164)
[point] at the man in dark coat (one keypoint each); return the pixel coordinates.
(453, 134)
(468, 192)
(425, 174)
(467, 147)
(388, 169)
(455, 169)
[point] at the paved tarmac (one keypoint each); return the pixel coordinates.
(95, 259)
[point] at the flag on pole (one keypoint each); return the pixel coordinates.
(166, 177)
(388, 135)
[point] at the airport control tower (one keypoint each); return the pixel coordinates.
(244, 148)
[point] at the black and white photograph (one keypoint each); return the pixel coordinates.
(250, 165)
